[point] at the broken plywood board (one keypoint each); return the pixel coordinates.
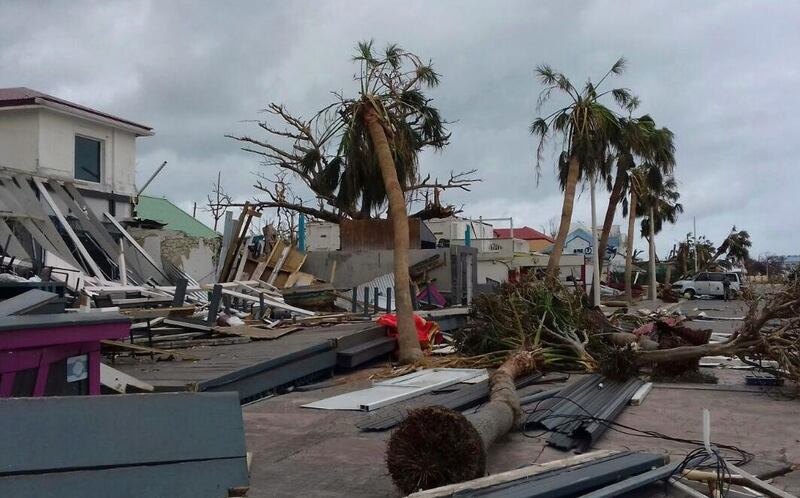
(120, 381)
(299, 279)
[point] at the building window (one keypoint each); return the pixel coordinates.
(87, 159)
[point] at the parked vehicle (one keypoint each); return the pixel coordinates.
(708, 283)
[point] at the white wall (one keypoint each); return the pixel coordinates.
(494, 270)
(57, 133)
(322, 236)
(455, 228)
(576, 244)
(19, 139)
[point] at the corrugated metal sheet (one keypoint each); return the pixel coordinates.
(572, 415)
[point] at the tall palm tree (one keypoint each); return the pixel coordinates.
(636, 138)
(381, 132)
(585, 125)
(660, 202)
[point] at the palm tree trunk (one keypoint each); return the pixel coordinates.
(629, 248)
(435, 446)
(613, 202)
(408, 341)
(553, 266)
(651, 291)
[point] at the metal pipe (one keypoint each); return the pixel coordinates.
(152, 177)
(595, 256)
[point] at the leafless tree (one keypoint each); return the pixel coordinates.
(303, 149)
(550, 227)
(218, 201)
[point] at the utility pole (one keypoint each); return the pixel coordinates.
(694, 234)
(652, 293)
(595, 255)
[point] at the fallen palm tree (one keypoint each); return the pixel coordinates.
(555, 328)
(528, 315)
(435, 446)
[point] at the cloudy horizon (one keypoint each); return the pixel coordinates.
(720, 75)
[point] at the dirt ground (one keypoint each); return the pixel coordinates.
(305, 452)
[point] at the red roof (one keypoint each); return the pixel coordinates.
(524, 233)
(19, 96)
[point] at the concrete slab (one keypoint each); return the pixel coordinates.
(297, 451)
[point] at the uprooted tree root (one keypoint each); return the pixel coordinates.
(434, 447)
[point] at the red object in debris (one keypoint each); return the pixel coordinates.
(650, 327)
(427, 331)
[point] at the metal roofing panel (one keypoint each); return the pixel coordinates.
(391, 391)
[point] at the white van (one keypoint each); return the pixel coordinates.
(707, 283)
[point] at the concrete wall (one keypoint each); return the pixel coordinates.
(19, 139)
(195, 256)
(322, 236)
(57, 151)
(42, 142)
(492, 270)
(353, 268)
(455, 228)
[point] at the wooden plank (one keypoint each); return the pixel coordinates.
(233, 247)
(299, 279)
(70, 232)
(188, 324)
(256, 333)
(159, 312)
(270, 302)
(259, 270)
(641, 394)
(135, 244)
(758, 484)
(277, 268)
(242, 261)
(511, 475)
(119, 381)
(148, 350)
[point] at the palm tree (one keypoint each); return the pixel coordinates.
(382, 131)
(585, 126)
(661, 205)
(635, 138)
(736, 247)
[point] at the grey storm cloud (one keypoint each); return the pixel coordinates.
(722, 75)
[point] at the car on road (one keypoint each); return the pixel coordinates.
(708, 283)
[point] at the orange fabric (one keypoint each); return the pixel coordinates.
(427, 331)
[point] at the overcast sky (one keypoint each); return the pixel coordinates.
(722, 75)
